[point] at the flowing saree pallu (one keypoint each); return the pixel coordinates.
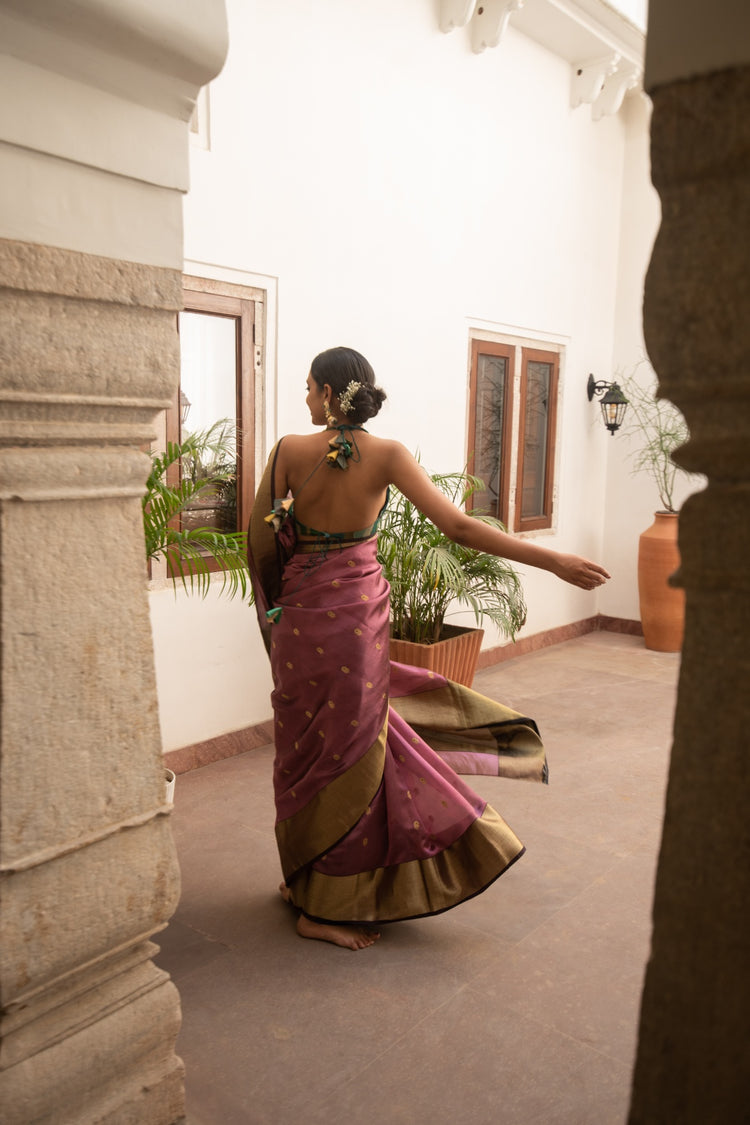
(372, 823)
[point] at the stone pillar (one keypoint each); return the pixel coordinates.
(95, 96)
(694, 1050)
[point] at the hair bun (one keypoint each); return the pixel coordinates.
(352, 380)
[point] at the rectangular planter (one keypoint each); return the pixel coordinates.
(454, 656)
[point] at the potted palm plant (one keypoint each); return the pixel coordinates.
(657, 429)
(428, 573)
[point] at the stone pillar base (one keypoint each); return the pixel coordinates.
(101, 1044)
(88, 871)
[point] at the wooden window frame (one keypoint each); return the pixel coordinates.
(544, 520)
(507, 352)
(201, 295)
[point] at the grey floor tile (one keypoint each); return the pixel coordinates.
(518, 1008)
(477, 1062)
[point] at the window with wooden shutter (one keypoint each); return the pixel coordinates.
(513, 391)
(491, 417)
(536, 440)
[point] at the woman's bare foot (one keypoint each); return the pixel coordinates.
(285, 893)
(350, 937)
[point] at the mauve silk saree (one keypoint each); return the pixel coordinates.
(373, 823)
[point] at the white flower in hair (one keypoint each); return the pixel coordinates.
(347, 398)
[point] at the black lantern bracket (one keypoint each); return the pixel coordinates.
(613, 402)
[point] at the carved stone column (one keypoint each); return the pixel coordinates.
(694, 1051)
(91, 175)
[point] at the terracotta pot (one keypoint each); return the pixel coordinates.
(454, 656)
(662, 605)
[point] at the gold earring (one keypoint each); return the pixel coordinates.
(330, 419)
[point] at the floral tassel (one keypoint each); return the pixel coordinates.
(279, 513)
(341, 450)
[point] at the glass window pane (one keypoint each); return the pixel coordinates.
(492, 374)
(208, 386)
(536, 427)
(208, 369)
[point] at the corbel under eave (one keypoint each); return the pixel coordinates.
(588, 78)
(626, 77)
(489, 22)
(455, 13)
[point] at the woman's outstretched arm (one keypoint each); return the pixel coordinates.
(411, 479)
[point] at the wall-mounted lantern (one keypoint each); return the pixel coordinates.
(613, 404)
(184, 407)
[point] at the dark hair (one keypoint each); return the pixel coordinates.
(338, 367)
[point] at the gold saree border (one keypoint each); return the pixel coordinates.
(456, 719)
(333, 811)
(417, 888)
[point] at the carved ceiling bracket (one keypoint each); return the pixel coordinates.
(455, 13)
(488, 19)
(603, 83)
(626, 77)
(589, 78)
(489, 22)
(605, 50)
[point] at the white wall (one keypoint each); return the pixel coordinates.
(632, 498)
(211, 671)
(401, 189)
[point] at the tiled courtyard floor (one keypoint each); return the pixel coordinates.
(517, 1008)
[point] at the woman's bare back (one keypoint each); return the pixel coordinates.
(327, 497)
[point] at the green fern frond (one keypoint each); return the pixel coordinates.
(207, 462)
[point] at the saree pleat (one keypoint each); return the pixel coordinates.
(373, 823)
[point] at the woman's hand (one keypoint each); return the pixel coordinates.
(580, 572)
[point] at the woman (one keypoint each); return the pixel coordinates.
(372, 824)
